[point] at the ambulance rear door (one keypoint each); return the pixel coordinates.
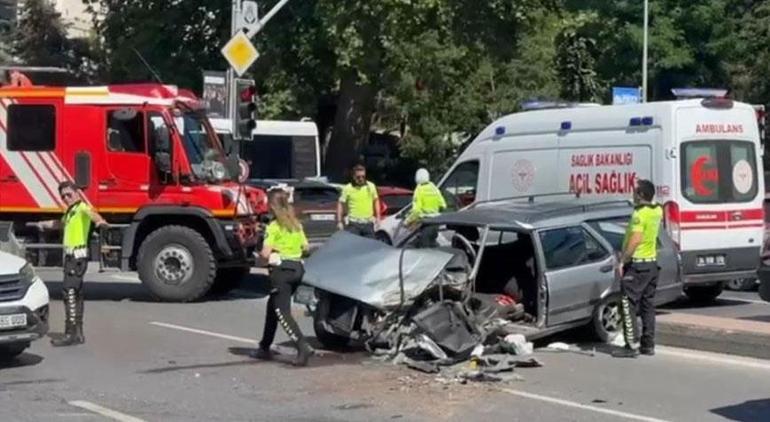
(719, 201)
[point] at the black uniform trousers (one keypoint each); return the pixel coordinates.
(284, 280)
(361, 229)
(640, 280)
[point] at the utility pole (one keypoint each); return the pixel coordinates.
(231, 101)
(644, 50)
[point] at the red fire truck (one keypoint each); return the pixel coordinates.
(148, 160)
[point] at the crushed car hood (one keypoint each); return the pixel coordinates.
(368, 271)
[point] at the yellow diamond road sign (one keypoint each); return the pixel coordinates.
(240, 53)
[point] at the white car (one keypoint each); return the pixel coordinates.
(23, 306)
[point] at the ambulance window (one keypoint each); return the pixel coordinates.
(125, 131)
(460, 186)
(719, 171)
(31, 127)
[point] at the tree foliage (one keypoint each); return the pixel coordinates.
(433, 72)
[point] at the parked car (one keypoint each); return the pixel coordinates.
(23, 306)
(393, 199)
(555, 258)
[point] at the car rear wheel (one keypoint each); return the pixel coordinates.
(607, 321)
(704, 294)
(383, 237)
(741, 284)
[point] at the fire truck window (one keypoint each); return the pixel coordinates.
(31, 127)
(125, 131)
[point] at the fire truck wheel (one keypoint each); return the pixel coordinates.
(229, 278)
(704, 294)
(176, 264)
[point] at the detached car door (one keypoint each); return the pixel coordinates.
(578, 269)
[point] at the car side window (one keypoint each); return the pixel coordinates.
(614, 230)
(570, 247)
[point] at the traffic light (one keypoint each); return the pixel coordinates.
(246, 113)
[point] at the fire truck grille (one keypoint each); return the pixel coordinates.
(11, 288)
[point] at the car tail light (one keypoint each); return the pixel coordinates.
(383, 207)
(672, 222)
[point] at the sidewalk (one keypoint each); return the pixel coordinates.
(742, 337)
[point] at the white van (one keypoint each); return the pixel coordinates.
(278, 150)
(704, 156)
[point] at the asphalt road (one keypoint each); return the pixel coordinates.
(740, 305)
(147, 361)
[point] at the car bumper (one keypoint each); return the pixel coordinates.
(34, 304)
(739, 263)
(37, 325)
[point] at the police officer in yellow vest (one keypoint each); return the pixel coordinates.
(285, 244)
(76, 223)
(638, 269)
(427, 201)
(361, 200)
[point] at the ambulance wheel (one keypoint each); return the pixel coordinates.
(229, 278)
(607, 321)
(741, 284)
(176, 264)
(704, 294)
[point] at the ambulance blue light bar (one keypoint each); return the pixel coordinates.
(641, 121)
(500, 130)
(566, 125)
(682, 93)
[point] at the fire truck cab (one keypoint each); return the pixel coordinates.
(146, 157)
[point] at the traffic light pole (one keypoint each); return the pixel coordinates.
(231, 94)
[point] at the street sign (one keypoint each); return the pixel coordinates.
(621, 95)
(240, 53)
(248, 17)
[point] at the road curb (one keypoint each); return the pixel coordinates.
(709, 339)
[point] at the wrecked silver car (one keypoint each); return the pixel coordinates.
(494, 270)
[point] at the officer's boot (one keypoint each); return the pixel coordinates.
(630, 330)
(70, 337)
(304, 351)
(79, 336)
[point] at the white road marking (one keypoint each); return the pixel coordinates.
(739, 299)
(581, 406)
(107, 413)
(203, 332)
(714, 358)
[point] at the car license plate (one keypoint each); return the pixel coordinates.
(322, 217)
(711, 261)
(13, 321)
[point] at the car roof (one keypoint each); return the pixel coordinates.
(392, 190)
(527, 215)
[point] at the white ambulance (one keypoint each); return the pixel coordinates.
(704, 156)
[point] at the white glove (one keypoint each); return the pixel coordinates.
(274, 260)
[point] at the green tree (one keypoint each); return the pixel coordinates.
(40, 39)
(575, 60)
